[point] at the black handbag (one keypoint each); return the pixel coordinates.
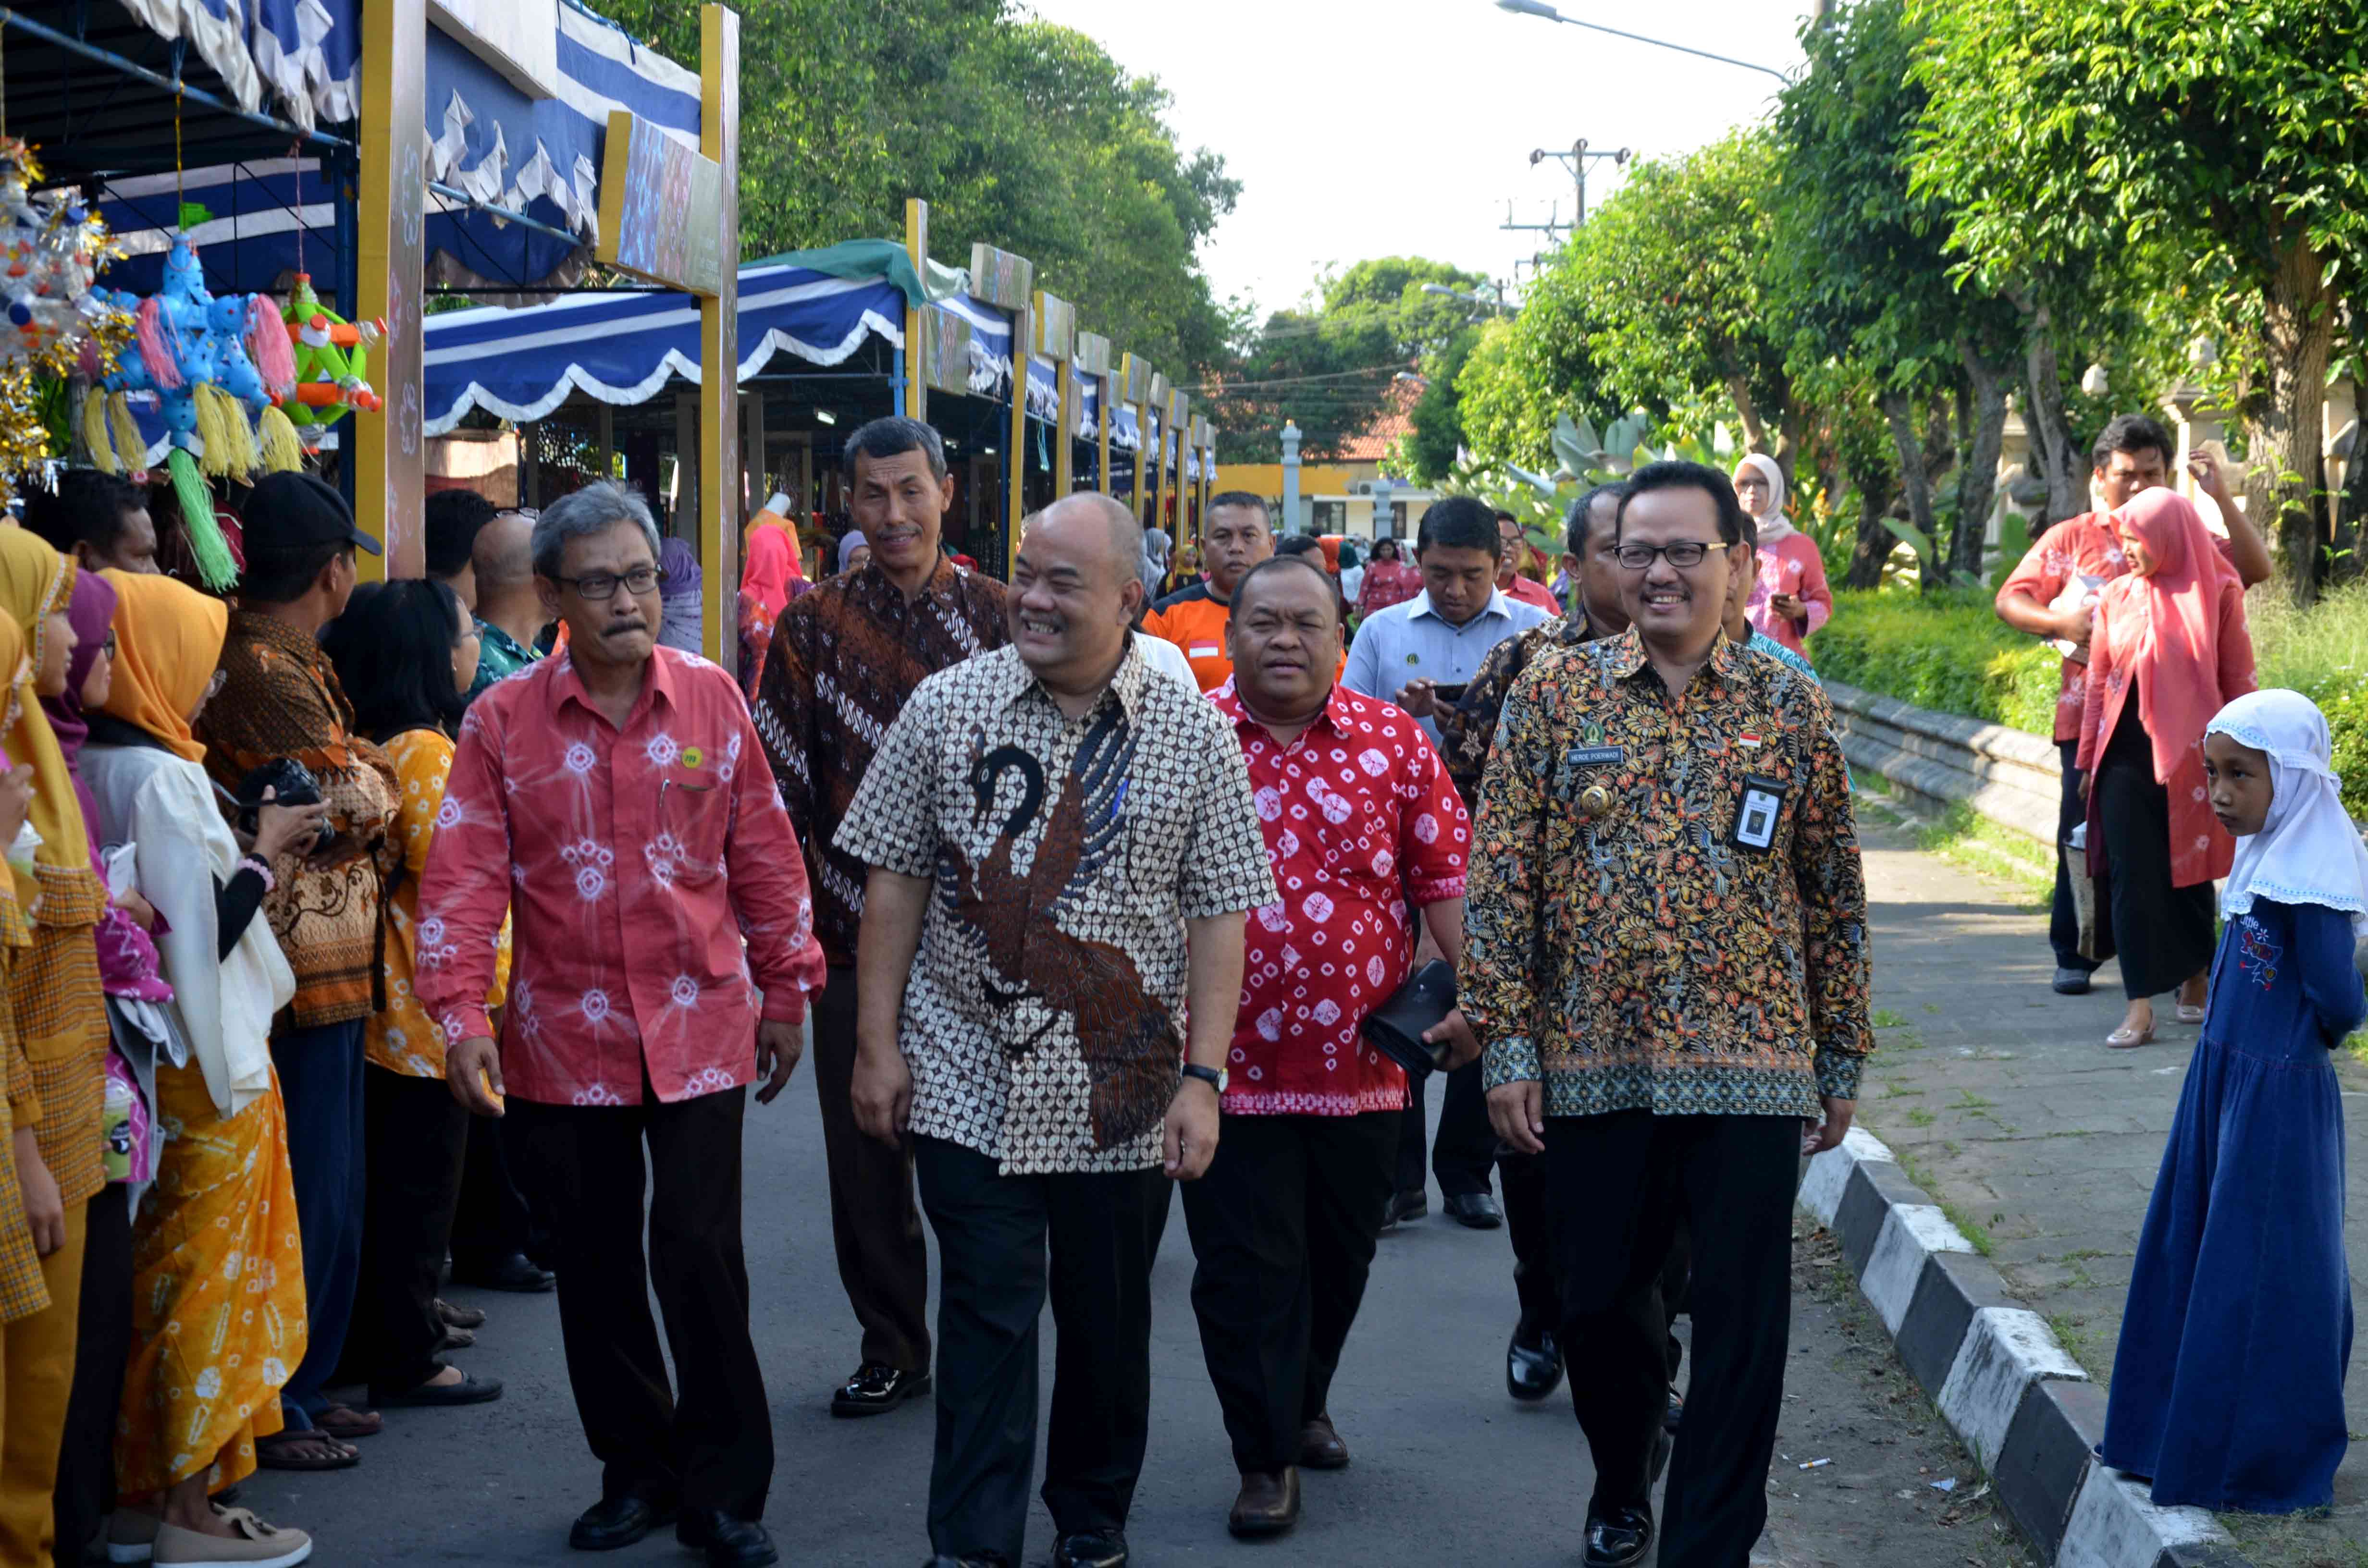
(1395, 1028)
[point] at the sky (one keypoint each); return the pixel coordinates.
(1365, 128)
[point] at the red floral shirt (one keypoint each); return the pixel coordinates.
(1363, 828)
(634, 862)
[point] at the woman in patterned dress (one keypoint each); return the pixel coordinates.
(218, 1282)
(405, 655)
(23, 1292)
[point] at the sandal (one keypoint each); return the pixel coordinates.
(281, 1451)
(2128, 1038)
(2190, 1015)
(459, 1317)
(345, 1423)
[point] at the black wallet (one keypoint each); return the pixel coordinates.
(1397, 1027)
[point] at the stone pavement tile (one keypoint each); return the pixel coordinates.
(2001, 1101)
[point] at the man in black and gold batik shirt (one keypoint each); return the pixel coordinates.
(1665, 958)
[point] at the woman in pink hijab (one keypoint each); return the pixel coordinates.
(2166, 650)
(768, 583)
(1791, 600)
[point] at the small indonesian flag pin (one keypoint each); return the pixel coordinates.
(1748, 738)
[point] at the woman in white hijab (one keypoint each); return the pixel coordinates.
(1791, 600)
(2229, 1377)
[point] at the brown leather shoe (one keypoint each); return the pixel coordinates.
(1269, 1503)
(1320, 1446)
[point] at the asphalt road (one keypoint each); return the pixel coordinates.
(1447, 1470)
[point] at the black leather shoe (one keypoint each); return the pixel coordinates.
(876, 1389)
(2070, 981)
(729, 1541)
(516, 1272)
(1092, 1549)
(1676, 1413)
(613, 1522)
(1618, 1540)
(1477, 1210)
(1407, 1206)
(1269, 1503)
(1532, 1365)
(424, 1396)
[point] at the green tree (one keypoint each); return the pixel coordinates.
(2223, 133)
(1332, 364)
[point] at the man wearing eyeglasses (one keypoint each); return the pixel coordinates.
(614, 801)
(1665, 958)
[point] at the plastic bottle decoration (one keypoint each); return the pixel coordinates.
(332, 358)
(50, 245)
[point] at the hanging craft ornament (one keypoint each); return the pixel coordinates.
(53, 318)
(332, 359)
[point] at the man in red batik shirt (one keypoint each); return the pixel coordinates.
(2133, 454)
(1363, 828)
(618, 786)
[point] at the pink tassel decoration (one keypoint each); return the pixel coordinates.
(155, 339)
(267, 340)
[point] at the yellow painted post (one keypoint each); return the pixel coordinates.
(1023, 340)
(1103, 419)
(390, 455)
(1065, 384)
(719, 342)
(916, 245)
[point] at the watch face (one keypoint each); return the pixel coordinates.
(1224, 1077)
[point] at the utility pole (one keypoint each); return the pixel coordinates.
(1575, 161)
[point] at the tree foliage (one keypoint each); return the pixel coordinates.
(2222, 135)
(1016, 132)
(1331, 365)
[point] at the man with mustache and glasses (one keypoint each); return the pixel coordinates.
(1665, 959)
(843, 662)
(609, 800)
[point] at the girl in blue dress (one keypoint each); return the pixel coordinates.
(2228, 1384)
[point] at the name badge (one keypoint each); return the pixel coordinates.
(1592, 757)
(1201, 651)
(1756, 818)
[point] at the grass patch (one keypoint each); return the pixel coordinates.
(1977, 1236)
(1885, 1019)
(1920, 1117)
(2073, 1335)
(2357, 1047)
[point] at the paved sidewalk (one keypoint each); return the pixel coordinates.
(2001, 1098)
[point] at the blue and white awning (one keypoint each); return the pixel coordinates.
(623, 349)
(304, 56)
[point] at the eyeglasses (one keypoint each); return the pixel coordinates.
(106, 649)
(528, 513)
(1683, 554)
(597, 586)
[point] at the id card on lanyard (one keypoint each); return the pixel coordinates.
(1758, 812)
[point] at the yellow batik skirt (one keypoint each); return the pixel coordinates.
(217, 1291)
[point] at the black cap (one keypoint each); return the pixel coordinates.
(287, 512)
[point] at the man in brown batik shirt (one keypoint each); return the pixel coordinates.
(844, 660)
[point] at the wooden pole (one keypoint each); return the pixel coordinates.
(1102, 398)
(1023, 340)
(916, 245)
(390, 454)
(719, 342)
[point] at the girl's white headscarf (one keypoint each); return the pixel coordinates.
(1772, 522)
(2307, 850)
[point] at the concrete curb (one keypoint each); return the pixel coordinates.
(2020, 1403)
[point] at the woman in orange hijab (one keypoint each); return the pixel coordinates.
(2168, 650)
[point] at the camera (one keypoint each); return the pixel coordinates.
(291, 784)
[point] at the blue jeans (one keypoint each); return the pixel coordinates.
(321, 1082)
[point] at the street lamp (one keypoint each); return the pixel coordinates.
(1540, 8)
(1443, 291)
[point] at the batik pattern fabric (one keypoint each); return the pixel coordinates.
(1467, 730)
(1362, 829)
(843, 662)
(499, 656)
(404, 1039)
(217, 1291)
(1043, 1019)
(1666, 909)
(657, 898)
(281, 697)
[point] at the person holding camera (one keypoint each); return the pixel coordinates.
(280, 700)
(210, 1351)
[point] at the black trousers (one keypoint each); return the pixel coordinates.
(1618, 1183)
(1523, 1177)
(883, 1260)
(414, 1138)
(85, 1490)
(2063, 918)
(584, 1170)
(1283, 1226)
(1466, 1144)
(995, 1233)
(492, 1220)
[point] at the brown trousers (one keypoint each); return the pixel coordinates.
(36, 1363)
(882, 1260)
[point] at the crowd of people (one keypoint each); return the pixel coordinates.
(319, 987)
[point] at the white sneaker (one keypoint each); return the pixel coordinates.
(256, 1545)
(131, 1536)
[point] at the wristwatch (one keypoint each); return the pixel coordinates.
(1213, 1077)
